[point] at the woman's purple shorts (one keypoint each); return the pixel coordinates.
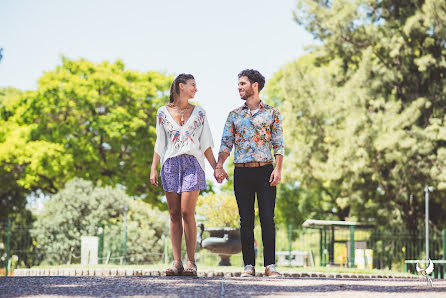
(182, 173)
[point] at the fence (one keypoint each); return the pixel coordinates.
(365, 248)
(334, 247)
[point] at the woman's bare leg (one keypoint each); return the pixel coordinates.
(188, 203)
(176, 225)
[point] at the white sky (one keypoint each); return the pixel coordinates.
(213, 40)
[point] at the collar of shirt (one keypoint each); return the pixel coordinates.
(261, 106)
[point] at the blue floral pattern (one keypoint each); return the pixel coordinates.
(253, 135)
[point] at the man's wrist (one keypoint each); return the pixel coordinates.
(278, 167)
(219, 165)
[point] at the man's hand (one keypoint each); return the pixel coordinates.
(276, 177)
(154, 177)
(220, 175)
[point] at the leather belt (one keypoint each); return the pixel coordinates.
(253, 164)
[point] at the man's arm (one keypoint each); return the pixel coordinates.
(276, 175)
(278, 147)
(222, 156)
(220, 173)
(227, 142)
(279, 161)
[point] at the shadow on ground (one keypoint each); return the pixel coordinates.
(210, 286)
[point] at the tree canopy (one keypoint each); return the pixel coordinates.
(94, 121)
(364, 113)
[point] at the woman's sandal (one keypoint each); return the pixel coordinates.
(191, 269)
(176, 269)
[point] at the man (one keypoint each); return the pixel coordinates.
(254, 128)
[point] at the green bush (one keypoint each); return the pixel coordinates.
(219, 210)
(79, 208)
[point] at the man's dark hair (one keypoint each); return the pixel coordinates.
(254, 76)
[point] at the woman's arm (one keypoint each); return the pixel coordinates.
(210, 157)
(160, 147)
(153, 171)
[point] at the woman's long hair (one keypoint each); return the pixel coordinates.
(175, 87)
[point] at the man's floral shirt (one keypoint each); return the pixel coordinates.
(253, 135)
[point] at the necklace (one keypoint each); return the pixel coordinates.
(182, 111)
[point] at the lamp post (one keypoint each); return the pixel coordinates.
(124, 208)
(427, 189)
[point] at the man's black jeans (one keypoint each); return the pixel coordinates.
(247, 183)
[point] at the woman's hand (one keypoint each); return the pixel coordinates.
(154, 177)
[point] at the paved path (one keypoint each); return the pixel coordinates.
(113, 286)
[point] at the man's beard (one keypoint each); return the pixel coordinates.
(248, 93)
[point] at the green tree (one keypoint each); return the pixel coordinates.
(218, 210)
(364, 118)
(95, 121)
(13, 198)
(79, 208)
(12, 195)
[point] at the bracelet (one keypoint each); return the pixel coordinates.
(218, 168)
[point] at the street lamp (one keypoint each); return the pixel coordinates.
(427, 189)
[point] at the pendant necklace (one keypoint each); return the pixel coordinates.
(182, 114)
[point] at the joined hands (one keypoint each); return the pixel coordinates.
(220, 175)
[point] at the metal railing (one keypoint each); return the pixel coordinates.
(335, 247)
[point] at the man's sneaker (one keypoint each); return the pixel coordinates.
(271, 271)
(249, 271)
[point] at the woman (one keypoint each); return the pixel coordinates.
(183, 140)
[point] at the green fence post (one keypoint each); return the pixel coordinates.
(124, 258)
(321, 251)
(7, 247)
(311, 258)
(325, 245)
(107, 259)
(331, 259)
(101, 243)
(165, 248)
(70, 256)
(444, 254)
(352, 246)
(289, 245)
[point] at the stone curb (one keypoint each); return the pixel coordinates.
(150, 272)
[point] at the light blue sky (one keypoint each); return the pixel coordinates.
(213, 40)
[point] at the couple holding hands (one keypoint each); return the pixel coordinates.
(183, 141)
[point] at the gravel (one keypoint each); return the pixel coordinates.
(222, 286)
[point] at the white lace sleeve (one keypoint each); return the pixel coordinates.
(161, 138)
(206, 136)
